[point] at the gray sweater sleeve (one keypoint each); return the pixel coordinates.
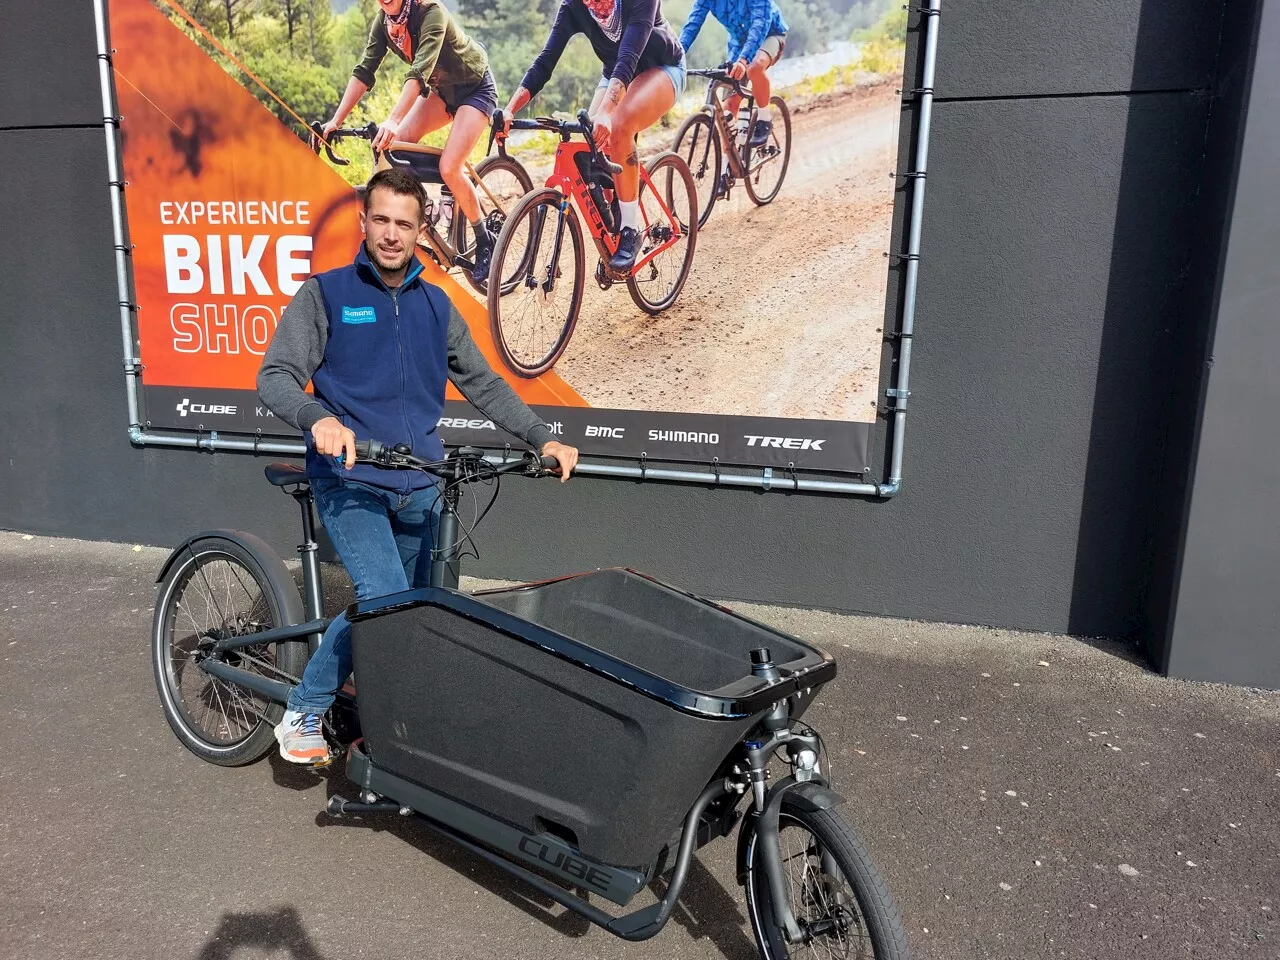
(487, 391)
(293, 356)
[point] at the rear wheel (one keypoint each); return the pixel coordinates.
(655, 285)
(835, 892)
(767, 165)
(217, 588)
(699, 146)
(503, 181)
(540, 249)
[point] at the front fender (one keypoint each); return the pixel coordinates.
(810, 795)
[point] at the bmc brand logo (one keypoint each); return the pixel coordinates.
(784, 443)
(614, 432)
(462, 423)
(186, 406)
(566, 864)
(358, 315)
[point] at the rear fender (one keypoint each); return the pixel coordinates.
(282, 583)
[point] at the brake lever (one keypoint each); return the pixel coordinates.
(317, 128)
(588, 130)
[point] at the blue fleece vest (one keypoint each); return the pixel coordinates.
(384, 367)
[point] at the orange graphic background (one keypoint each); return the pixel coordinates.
(191, 133)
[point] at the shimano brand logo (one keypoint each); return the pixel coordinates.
(186, 406)
(462, 423)
(684, 436)
(785, 443)
(614, 432)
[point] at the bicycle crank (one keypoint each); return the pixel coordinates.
(602, 276)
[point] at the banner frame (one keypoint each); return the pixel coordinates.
(757, 477)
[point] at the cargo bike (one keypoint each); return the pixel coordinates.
(584, 734)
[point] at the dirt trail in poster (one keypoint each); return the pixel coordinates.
(795, 287)
(770, 356)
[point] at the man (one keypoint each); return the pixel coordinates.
(377, 343)
(757, 37)
(448, 80)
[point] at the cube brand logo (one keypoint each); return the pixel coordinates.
(186, 406)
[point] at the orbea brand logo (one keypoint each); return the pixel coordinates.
(614, 432)
(186, 406)
(784, 443)
(462, 423)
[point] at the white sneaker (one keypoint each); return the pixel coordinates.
(301, 738)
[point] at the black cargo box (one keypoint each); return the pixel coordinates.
(594, 707)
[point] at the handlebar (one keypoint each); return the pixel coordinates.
(464, 462)
(367, 132)
(565, 128)
(720, 74)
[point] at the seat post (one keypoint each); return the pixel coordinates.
(309, 550)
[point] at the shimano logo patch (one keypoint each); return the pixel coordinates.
(358, 315)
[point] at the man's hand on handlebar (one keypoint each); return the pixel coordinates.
(332, 439)
(738, 70)
(565, 454)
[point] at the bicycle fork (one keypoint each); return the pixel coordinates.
(547, 283)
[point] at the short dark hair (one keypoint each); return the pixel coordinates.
(399, 182)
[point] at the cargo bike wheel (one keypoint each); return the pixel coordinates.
(214, 588)
(834, 891)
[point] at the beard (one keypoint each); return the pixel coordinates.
(397, 263)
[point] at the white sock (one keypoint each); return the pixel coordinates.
(630, 210)
(763, 113)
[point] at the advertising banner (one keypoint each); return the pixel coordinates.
(770, 351)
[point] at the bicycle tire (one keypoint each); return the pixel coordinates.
(678, 170)
(697, 126)
(880, 920)
(281, 605)
(781, 120)
(488, 166)
(505, 311)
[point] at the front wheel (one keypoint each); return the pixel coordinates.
(699, 145)
(500, 183)
(834, 890)
(215, 588)
(669, 221)
(767, 165)
(540, 257)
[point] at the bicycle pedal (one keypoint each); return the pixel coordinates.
(602, 276)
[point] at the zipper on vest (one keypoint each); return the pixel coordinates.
(400, 356)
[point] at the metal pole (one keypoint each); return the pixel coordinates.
(132, 365)
(213, 442)
(902, 387)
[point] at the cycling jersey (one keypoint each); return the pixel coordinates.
(749, 22)
(629, 37)
(440, 55)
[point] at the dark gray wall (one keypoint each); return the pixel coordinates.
(1066, 210)
(1227, 618)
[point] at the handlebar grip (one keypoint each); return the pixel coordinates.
(548, 463)
(368, 450)
(589, 131)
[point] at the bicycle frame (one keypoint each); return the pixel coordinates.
(713, 107)
(566, 178)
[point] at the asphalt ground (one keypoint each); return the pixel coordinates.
(1025, 796)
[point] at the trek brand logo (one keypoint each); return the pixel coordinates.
(462, 423)
(358, 315)
(186, 406)
(569, 865)
(613, 432)
(784, 443)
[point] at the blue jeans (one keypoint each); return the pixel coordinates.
(384, 539)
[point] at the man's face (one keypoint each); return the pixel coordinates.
(391, 226)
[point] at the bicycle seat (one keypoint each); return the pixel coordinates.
(285, 475)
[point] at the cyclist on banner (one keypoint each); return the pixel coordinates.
(448, 80)
(377, 343)
(644, 74)
(757, 37)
